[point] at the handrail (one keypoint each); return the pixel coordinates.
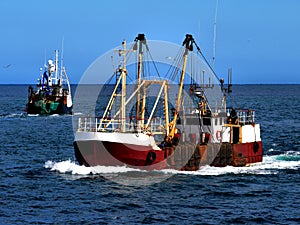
(97, 124)
(244, 116)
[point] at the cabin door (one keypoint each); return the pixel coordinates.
(235, 134)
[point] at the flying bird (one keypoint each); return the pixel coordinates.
(5, 67)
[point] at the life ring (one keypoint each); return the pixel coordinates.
(218, 135)
(255, 147)
(151, 157)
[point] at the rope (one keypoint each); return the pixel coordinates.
(153, 61)
(199, 50)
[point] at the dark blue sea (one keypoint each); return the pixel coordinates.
(41, 182)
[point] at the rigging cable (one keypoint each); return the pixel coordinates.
(147, 48)
(199, 50)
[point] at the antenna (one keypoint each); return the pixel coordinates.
(215, 35)
(61, 59)
(56, 65)
(229, 90)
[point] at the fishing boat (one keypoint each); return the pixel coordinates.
(177, 118)
(53, 91)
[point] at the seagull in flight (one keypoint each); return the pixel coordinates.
(5, 67)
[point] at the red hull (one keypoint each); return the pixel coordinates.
(247, 153)
(94, 153)
(183, 157)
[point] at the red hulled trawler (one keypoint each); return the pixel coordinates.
(175, 119)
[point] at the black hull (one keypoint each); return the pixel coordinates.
(31, 108)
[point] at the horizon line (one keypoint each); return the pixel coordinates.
(218, 84)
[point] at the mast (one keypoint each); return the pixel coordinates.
(56, 66)
(121, 78)
(123, 93)
(139, 38)
(61, 62)
(188, 43)
(215, 36)
(140, 113)
(166, 108)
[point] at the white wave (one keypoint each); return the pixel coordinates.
(269, 165)
(292, 153)
(54, 115)
(113, 169)
(216, 171)
(77, 114)
(71, 167)
(68, 167)
(32, 115)
(13, 115)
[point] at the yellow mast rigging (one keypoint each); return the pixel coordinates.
(188, 43)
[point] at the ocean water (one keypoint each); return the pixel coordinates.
(41, 182)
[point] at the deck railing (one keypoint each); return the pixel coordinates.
(244, 116)
(96, 124)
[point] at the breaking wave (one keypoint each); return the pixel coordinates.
(13, 115)
(71, 167)
(24, 115)
(270, 165)
(78, 114)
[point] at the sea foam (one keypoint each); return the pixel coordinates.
(269, 165)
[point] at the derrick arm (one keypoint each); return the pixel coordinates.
(140, 40)
(188, 43)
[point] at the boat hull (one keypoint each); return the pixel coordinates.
(187, 156)
(95, 153)
(51, 107)
(224, 154)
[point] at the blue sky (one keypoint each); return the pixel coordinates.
(259, 39)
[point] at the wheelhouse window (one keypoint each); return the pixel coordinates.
(206, 121)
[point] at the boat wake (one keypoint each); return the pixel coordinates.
(78, 114)
(71, 167)
(12, 115)
(24, 115)
(33, 115)
(270, 165)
